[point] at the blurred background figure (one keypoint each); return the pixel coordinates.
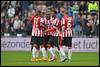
(17, 25)
(7, 28)
(93, 7)
(11, 11)
(78, 25)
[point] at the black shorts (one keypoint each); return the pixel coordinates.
(50, 41)
(56, 41)
(36, 40)
(46, 38)
(67, 41)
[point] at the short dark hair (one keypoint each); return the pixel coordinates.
(54, 11)
(38, 12)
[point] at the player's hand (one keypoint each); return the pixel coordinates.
(63, 28)
(61, 38)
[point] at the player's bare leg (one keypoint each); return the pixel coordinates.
(51, 50)
(62, 54)
(69, 54)
(34, 53)
(45, 58)
(37, 54)
(61, 51)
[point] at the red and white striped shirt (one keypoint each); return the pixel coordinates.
(67, 22)
(48, 26)
(56, 25)
(36, 30)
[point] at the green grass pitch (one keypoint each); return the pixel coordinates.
(22, 58)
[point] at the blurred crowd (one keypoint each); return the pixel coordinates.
(15, 14)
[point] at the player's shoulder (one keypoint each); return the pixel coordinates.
(57, 19)
(66, 17)
(69, 18)
(32, 16)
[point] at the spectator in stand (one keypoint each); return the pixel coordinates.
(89, 28)
(28, 27)
(7, 28)
(83, 7)
(31, 7)
(13, 3)
(93, 7)
(75, 10)
(2, 26)
(75, 7)
(18, 9)
(97, 27)
(51, 4)
(84, 15)
(70, 9)
(24, 7)
(59, 4)
(4, 7)
(59, 13)
(27, 22)
(41, 7)
(11, 22)
(96, 24)
(78, 25)
(11, 11)
(23, 29)
(17, 24)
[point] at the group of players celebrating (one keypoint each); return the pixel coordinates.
(49, 32)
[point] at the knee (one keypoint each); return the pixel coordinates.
(69, 47)
(48, 45)
(34, 45)
(42, 45)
